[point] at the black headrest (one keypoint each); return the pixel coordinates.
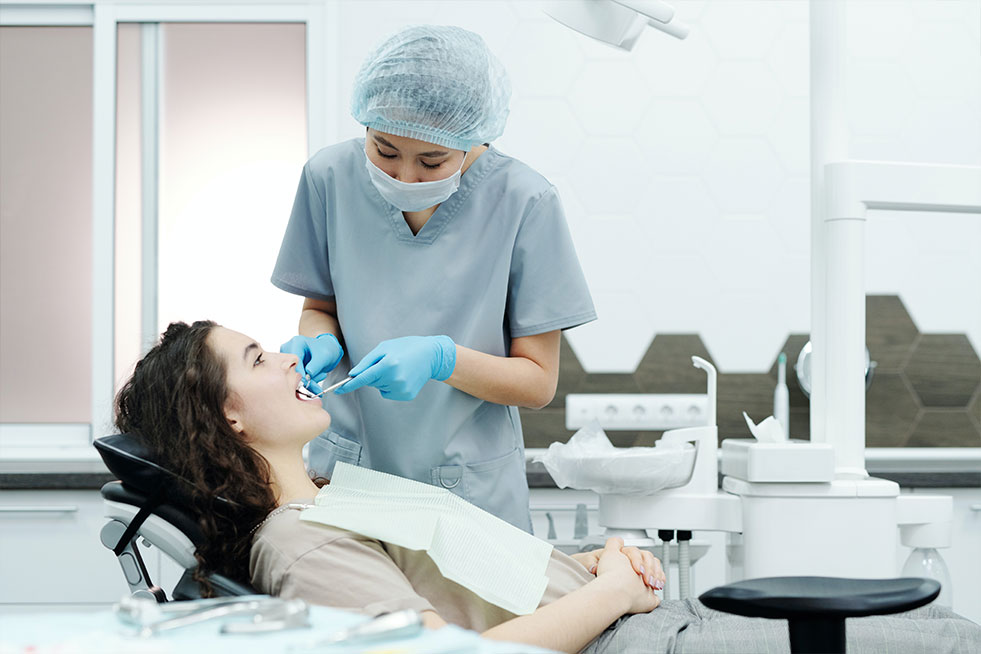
(129, 458)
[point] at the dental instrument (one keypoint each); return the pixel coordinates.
(334, 387)
(267, 614)
(399, 624)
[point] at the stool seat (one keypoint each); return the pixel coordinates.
(817, 606)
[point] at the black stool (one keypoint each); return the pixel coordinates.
(816, 607)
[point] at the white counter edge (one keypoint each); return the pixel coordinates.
(898, 459)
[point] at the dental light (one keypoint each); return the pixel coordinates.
(616, 22)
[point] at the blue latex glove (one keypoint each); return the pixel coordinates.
(400, 367)
(317, 356)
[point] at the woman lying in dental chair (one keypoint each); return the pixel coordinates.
(225, 415)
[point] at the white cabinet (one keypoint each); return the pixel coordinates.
(50, 552)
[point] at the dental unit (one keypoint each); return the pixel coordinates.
(809, 507)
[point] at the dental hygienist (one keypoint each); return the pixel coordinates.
(441, 268)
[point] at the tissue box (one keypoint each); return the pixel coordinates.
(792, 461)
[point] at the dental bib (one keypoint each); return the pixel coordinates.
(468, 545)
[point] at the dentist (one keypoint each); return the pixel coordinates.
(425, 255)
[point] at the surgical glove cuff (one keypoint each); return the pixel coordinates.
(445, 361)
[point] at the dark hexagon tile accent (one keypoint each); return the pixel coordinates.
(543, 426)
(571, 375)
(614, 382)
(944, 370)
(792, 347)
(800, 424)
(889, 332)
(752, 393)
(890, 411)
(667, 366)
(949, 428)
(975, 409)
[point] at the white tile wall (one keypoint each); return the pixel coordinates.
(683, 165)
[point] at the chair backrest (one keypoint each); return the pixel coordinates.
(129, 458)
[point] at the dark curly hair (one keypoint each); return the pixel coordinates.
(175, 402)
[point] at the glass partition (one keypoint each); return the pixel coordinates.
(45, 224)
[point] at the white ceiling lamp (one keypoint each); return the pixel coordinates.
(616, 22)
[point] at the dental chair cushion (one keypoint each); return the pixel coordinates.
(115, 491)
(133, 463)
(810, 597)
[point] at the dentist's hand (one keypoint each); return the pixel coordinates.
(400, 367)
(317, 356)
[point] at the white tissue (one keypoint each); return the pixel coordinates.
(768, 431)
(589, 461)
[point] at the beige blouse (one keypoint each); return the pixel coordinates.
(334, 567)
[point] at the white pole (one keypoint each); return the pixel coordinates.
(828, 143)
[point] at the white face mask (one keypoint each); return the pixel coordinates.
(416, 196)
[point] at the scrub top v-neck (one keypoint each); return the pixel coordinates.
(494, 262)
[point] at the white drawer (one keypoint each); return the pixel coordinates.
(50, 550)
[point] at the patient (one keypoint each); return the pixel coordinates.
(225, 415)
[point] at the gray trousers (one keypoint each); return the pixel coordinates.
(689, 627)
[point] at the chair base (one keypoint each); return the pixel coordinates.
(817, 636)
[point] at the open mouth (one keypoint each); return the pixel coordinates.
(305, 394)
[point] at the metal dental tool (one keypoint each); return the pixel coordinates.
(390, 626)
(311, 394)
(267, 613)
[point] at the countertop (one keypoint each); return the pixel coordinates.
(909, 467)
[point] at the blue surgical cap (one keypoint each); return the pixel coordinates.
(434, 83)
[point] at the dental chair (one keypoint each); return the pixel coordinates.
(816, 607)
(149, 503)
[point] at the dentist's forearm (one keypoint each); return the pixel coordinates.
(569, 623)
(514, 380)
(318, 318)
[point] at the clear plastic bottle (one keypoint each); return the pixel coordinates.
(927, 562)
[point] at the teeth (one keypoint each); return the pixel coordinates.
(304, 392)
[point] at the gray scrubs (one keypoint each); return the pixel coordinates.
(494, 262)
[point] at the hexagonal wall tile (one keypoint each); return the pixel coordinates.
(667, 365)
(608, 98)
(742, 174)
(790, 60)
(543, 133)
(601, 168)
(789, 135)
(944, 370)
(675, 136)
(889, 332)
(752, 241)
(891, 410)
(742, 97)
(679, 215)
(745, 332)
(975, 409)
(742, 29)
(743, 392)
(790, 215)
(674, 68)
(544, 58)
(621, 321)
(877, 32)
(945, 429)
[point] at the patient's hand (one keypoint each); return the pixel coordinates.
(615, 565)
(644, 564)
